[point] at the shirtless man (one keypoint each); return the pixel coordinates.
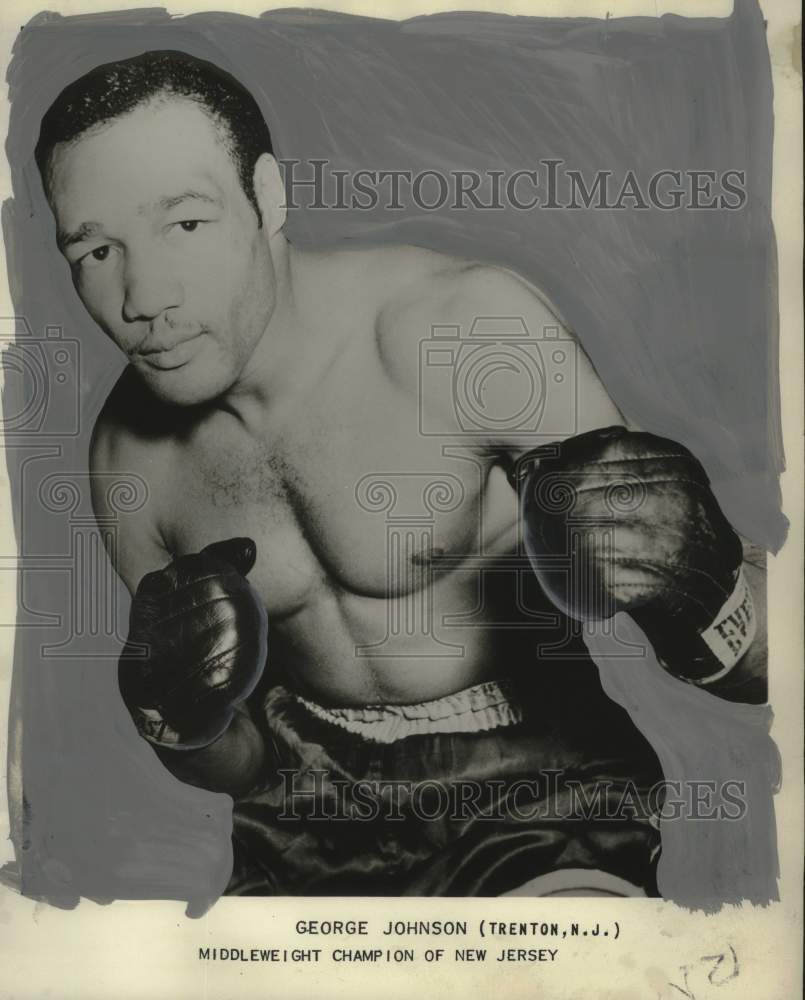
(270, 395)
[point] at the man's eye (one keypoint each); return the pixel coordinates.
(185, 226)
(95, 257)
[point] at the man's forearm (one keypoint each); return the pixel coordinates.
(235, 763)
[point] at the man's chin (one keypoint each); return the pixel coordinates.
(181, 386)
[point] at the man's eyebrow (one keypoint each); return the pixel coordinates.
(89, 229)
(83, 232)
(171, 201)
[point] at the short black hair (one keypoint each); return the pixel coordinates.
(116, 88)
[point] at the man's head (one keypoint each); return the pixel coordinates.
(167, 199)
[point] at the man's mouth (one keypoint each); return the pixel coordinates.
(167, 356)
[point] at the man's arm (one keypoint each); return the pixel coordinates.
(235, 761)
(746, 681)
(521, 376)
(574, 402)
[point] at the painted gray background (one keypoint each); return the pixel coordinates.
(676, 309)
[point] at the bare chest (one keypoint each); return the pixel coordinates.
(347, 499)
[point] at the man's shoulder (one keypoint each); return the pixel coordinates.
(485, 352)
(410, 282)
(418, 277)
(456, 298)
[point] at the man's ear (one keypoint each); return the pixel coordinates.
(269, 192)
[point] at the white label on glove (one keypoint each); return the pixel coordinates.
(733, 629)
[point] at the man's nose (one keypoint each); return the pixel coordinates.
(149, 287)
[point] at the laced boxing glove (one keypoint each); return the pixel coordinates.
(616, 520)
(196, 647)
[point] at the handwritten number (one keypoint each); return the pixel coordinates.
(718, 976)
(684, 969)
(722, 968)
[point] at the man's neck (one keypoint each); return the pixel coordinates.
(285, 358)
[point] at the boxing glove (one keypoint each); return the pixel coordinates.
(616, 520)
(196, 646)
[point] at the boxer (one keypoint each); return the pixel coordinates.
(266, 386)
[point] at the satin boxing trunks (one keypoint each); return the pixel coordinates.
(496, 789)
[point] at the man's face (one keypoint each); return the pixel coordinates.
(165, 248)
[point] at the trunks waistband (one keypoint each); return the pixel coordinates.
(476, 709)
